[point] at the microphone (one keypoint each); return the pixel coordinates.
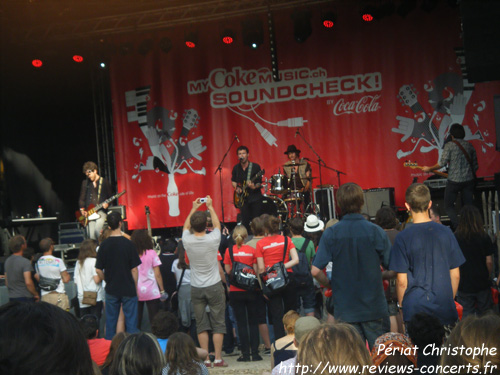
(241, 158)
(236, 136)
(297, 132)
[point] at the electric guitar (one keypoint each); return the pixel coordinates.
(239, 199)
(413, 165)
(92, 210)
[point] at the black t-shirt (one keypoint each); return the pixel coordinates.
(239, 175)
(116, 257)
(474, 276)
(169, 282)
(90, 194)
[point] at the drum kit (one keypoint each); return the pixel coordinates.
(286, 200)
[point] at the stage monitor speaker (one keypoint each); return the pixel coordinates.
(120, 209)
(325, 199)
(376, 199)
(481, 36)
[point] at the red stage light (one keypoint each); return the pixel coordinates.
(367, 17)
(77, 58)
(227, 40)
(190, 44)
(328, 24)
(37, 63)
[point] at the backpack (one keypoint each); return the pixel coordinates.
(302, 272)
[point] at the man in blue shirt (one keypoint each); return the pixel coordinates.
(356, 248)
(426, 257)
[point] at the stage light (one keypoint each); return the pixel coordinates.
(165, 45)
(302, 28)
(328, 19)
(252, 33)
(368, 13)
(102, 65)
(227, 36)
(77, 58)
(37, 63)
(191, 39)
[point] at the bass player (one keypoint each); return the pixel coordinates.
(95, 189)
(243, 174)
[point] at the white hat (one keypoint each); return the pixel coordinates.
(313, 224)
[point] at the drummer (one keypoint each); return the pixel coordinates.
(298, 173)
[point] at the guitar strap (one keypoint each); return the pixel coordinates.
(467, 156)
(249, 171)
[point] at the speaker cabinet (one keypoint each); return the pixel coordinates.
(325, 199)
(120, 209)
(376, 199)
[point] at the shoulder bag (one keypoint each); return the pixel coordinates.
(89, 298)
(275, 278)
(242, 275)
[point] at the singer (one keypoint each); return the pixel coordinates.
(246, 181)
(299, 177)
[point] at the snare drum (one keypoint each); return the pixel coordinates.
(278, 184)
(293, 195)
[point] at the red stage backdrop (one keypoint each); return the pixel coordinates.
(366, 97)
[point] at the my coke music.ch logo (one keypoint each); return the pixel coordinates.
(368, 103)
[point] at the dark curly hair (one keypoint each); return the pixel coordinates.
(142, 240)
(164, 324)
(386, 218)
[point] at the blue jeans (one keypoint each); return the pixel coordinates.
(372, 329)
(129, 305)
(450, 196)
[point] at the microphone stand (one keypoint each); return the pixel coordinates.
(219, 169)
(320, 163)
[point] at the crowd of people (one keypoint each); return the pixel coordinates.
(394, 296)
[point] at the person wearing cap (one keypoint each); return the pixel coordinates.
(356, 248)
(117, 263)
(301, 171)
(303, 326)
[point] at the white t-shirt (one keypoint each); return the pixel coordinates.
(84, 280)
(202, 254)
(186, 280)
(51, 267)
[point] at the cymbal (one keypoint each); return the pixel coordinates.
(294, 165)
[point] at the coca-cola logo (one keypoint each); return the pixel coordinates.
(368, 103)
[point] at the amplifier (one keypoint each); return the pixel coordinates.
(325, 199)
(376, 199)
(120, 209)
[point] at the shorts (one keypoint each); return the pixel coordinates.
(59, 299)
(214, 297)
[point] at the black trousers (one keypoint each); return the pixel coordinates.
(244, 307)
(250, 210)
(153, 306)
(281, 303)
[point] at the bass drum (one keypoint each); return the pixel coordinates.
(274, 206)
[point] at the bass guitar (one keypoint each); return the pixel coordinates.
(413, 165)
(92, 210)
(239, 199)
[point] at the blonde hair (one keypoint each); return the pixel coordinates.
(239, 235)
(336, 344)
(289, 320)
(474, 332)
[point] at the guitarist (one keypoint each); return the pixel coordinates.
(243, 172)
(461, 158)
(95, 189)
